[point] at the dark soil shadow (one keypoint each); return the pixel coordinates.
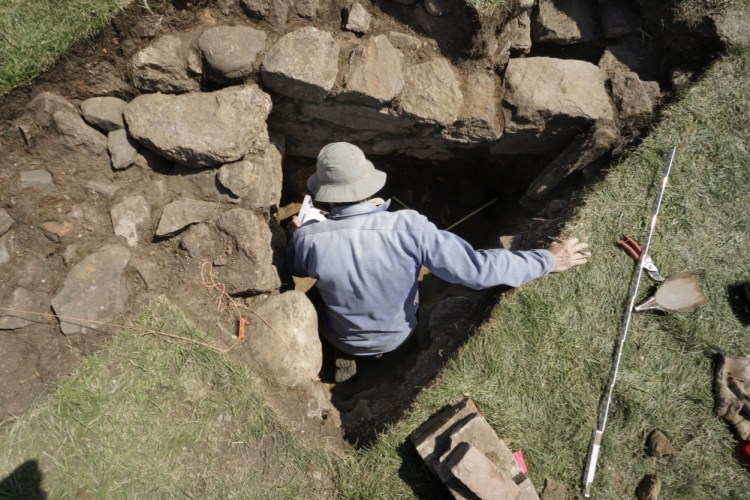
(24, 483)
(738, 295)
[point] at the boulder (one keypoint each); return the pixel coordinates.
(231, 51)
(250, 268)
(22, 300)
(291, 352)
(732, 27)
(635, 99)
(45, 104)
(374, 74)
(202, 129)
(432, 92)
(302, 64)
(6, 221)
(479, 120)
(564, 22)
(549, 102)
(618, 18)
(77, 135)
(181, 213)
(357, 19)
(257, 181)
(94, 291)
(122, 149)
(130, 215)
(104, 113)
(163, 66)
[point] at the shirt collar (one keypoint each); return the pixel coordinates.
(344, 211)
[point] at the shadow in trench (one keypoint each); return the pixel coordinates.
(24, 483)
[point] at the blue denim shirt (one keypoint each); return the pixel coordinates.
(367, 261)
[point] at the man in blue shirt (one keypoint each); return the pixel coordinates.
(367, 260)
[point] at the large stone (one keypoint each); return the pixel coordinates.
(104, 113)
(732, 27)
(478, 120)
(181, 213)
(358, 117)
(94, 291)
(122, 149)
(403, 41)
(550, 101)
(635, 99)
(638, 56)
(302, 64)
(198, 242)
(202, 129)
(231, 51)
(519, 33)
(130, 215)
(275, 11)
(250, 269)
(358, 20)
(290, 351)
(255, 180)
(6, 221)
(77, 135)
(19, 301)
(431, 439)
(619, 17)
(432, 92)
(374, 74)
(45, 104)
(564, 22)
(307, 9)
(163, 66)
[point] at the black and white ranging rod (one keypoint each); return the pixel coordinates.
(596, 438)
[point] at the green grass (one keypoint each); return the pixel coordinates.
(150, 417)
(34, 33)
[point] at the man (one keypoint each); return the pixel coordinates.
(367, 260)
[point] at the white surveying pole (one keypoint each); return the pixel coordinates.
(596, 438)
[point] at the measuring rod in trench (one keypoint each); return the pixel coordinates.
(596, 438)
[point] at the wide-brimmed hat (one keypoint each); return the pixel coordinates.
(344, 175)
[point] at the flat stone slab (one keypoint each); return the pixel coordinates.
(181, 213)
(130, 215)
(94, 291)
(122, 149)
(78, 135)
(22, 300)
(231, 51)
(432, 92)
(202, 129)
(302, 64)
(39, 179)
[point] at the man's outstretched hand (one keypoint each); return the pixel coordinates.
(569, 253)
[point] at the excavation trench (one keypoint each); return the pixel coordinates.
(477, 200)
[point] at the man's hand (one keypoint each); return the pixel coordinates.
(569, 253)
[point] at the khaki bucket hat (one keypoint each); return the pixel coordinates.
(344, 175)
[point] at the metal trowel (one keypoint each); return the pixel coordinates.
(678, 293)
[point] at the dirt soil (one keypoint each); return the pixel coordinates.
(36, 357)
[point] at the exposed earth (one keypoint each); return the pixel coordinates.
(101, 214)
